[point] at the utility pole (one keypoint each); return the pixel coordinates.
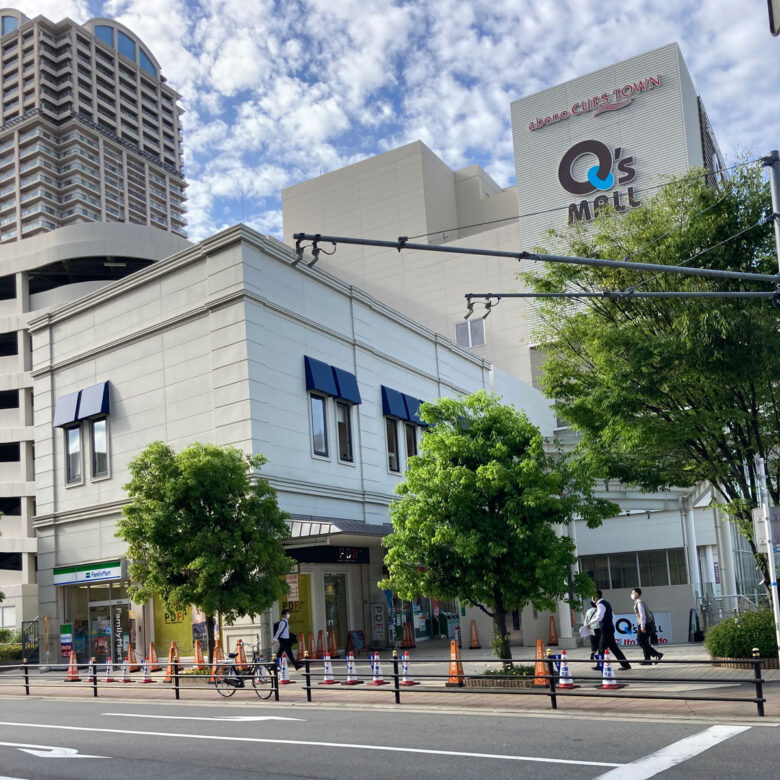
(770, 549)
(772, 161)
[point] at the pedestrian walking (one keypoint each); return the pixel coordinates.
(645, 627)
(282, 636)
(592, 633)
(603, 619)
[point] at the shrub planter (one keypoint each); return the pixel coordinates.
(736, 663)
(500, 682)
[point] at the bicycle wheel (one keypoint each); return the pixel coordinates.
(262, 682)
(224, 682)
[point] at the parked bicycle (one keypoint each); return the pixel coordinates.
(228, 678)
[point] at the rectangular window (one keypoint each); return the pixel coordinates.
(623, 571)
(10, 561)
(319, 433)
(11, 505)
(9, 344)
(597, 568)
(470, 333)
(411, 439)
(99, 436)
(391, 428)
(344, 428)
(9, 452)
(678, 571)
(652, 568)
(73, 454)
(9, 399)
(8, 617)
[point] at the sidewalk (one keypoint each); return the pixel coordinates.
(431, 658)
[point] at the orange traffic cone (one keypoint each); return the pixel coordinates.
(351, 674)
(456, 667)
(320, 645)
(608, 681)
(407, 639)
(332, 649)
(327, 678)
(132, 661)
(376, 667)
(240, 656)
(553, 633)
(301, 648)
(154, 663)
(475, 645)
(198, 660)
(219, 658)
(405, 665)
(73, 669)
(540, 668)
(310, 645)
(173, 661)
(565, 681)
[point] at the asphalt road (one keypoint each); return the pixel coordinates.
(45, 738)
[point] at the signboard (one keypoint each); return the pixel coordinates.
(626, 628)
(760, 532)
(66, 640)
(292, 584)
(89, 572)
(378, 625)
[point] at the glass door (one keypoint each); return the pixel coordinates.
(335, 586)
(109, 629)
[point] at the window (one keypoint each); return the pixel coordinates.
(470, 333)
(411, 439)
(146, 63)
(125, 45)
(344, 429)
(7, 287)
(99, 441)
(11, 505)
(9, 452)
(8, 344)
(678, 571)
(623, 570)
(8, 617)
(620, 570)
(9, 399)
(105, 33)
(10, 23)
(10, 561)
(73, 455)
(319, 433)
(652, 568)
(597, 567)
(391, 429)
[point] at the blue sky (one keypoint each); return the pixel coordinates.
(279, 92)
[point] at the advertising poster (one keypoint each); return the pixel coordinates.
(300, 606)
(625, 628)
(172, 627)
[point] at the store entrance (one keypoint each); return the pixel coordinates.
(335, 586)
(109, 629)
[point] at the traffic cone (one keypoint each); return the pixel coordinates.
(475, 645)
(109, 670)
(301, 648)
(241, 656)
(351, 675)
(73, 669)
(126, 672)
(310, 645)
(565, 681)
(219, 659)
(553, 633)
(173, 661)
(456, 667)
(408, 636)
(132, 661)
(608, 680)
(327, 678)
(147, 672)
(91, 673)
(320, 645)
(540, 668)
(405, 665)
(377, 679)
(332, 649)
(284, 678)
(198, 660)
(154, 663)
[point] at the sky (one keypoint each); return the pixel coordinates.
(279, 92)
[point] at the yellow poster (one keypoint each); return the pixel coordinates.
(300, 607)
(172, 627)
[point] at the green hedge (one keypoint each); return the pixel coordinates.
(11, 652)
(736, 637)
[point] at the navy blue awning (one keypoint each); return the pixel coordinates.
(347, 385)
(393, 404)
(66, 409)
(413, 409)
(94, 401)
(319, 376)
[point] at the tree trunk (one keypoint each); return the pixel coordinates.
(500, 634)
(210, 637)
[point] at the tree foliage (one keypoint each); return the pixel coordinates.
(479, 511)
(203, 529)
(673, 391)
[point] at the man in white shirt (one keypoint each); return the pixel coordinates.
(644, 628)
(282, 636)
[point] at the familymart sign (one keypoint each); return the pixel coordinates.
(88, 572)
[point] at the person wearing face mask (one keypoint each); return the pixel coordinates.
(645, 627)
(593, 632)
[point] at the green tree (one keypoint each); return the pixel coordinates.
(203, 529)
(673, 391)
(479, 511)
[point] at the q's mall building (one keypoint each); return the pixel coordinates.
(609, 137)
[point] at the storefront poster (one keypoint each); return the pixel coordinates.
(378, 627)
(66, 640)
(300, 607)
(626, 628)
(172, 626)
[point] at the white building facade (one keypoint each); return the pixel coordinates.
(230, 343)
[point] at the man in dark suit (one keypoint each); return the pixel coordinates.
(604, 620)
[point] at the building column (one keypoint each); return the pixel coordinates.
(689, 524)
(728, 581)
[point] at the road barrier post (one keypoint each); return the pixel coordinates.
(551, 672)
(26, 678)
(759, 682)
(307, 673)
(275, 677)
(396, 683)
(176, 676)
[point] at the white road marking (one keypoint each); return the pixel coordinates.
(671, 755)
(236, 719)
(340, 745)
(47, 751)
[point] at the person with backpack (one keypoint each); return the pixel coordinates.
(645, 627)
(603, 620)
(282, 636)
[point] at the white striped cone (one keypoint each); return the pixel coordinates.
(565, 680)
(327, 678)
(109, 671)
(147, 673)
(91, 674)
(377, 669)
(405, 665)
(608, 679)
(285, 673)
(351, 676)
(126, 672)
